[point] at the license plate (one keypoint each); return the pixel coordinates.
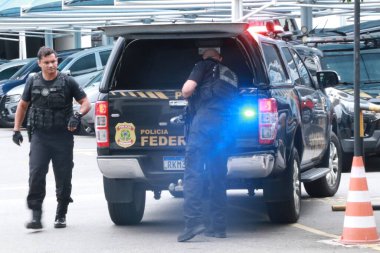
(174, 163)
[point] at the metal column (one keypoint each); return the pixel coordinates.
(77, 38)
(358, 140)
(107, 40)
(236, 10)
(22, 45)
(307, 15)
(49, 39)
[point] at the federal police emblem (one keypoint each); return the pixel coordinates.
(45, 92)
(125, 134)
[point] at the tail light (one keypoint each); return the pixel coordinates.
(264, 30)
(268, 118)
(102, 124)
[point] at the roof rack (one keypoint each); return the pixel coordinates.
(340, 39)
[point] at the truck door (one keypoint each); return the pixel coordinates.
(313, 109)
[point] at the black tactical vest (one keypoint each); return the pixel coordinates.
(218, 92)
(49, 109)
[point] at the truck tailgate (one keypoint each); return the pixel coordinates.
(140, 120)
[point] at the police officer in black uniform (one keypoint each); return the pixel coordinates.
(206, 147)
(51, 123)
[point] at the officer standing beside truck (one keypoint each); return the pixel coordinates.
(51, 123)
(207, 89)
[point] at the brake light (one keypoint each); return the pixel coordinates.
(264, 29)
(101, 124)
(268, 119)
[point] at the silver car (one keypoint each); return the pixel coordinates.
(86, 64)
(8, 69)
(92, 90)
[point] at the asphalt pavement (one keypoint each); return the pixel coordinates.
(91, 230)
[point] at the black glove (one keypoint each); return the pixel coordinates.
(17, 137)
(74, 120)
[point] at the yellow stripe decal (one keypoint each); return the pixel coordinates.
(113, 93)
(122, 93)
(151, 94)
(161, 95)
(141, 94)
(132, 94)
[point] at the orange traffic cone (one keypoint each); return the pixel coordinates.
(359, 222)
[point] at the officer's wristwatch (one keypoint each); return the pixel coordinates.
(78, 115)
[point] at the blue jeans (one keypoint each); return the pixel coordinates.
(206, 169)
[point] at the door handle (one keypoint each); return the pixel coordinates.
(177, 120)
(177, 103)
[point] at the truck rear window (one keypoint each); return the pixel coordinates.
(166, 64)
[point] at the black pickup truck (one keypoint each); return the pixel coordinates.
(282, 118)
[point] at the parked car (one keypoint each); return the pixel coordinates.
(339, 57)
(7, 70)
(86, 64)
(92, 91)
(2, 61)
(8, 105)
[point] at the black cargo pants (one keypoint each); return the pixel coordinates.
(46, 147)
(206, 161)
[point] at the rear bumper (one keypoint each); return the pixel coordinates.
(120, 167)
(370, 144)
(247, 166)
(250, 166)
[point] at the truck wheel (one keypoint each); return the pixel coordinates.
(288, 211)
(328, 185)
(129, 213)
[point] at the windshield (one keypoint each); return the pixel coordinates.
(344, 66)
(94, 80)
(25, 70)
(371, 62)
(63, 64)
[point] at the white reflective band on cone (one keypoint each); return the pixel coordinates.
(357, 172)
(358, 196)
(359, 222)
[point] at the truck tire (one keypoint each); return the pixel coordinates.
(288, 211)
(328, 185)
(130, 213)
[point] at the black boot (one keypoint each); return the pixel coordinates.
(60, 221)
(35, 223)
(189, 233)
(60, 217)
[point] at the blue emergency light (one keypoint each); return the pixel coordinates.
(248, 112)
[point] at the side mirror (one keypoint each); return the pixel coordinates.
(327, 78)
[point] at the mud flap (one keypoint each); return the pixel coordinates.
(118, 190)
(276, 190)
